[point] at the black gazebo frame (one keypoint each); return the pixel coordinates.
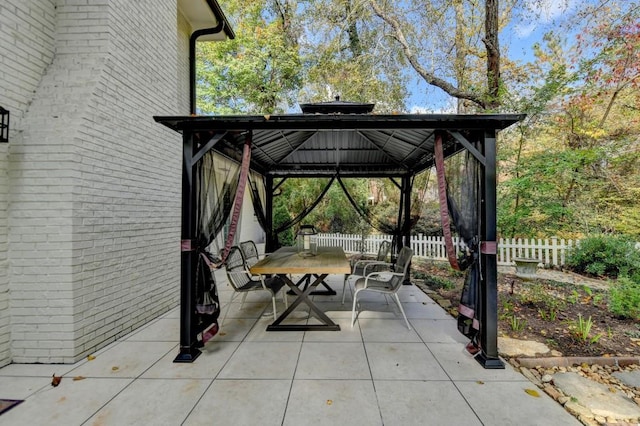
(348, 145)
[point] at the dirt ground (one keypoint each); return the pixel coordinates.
(566, 312)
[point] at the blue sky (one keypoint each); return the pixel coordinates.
(531, 21)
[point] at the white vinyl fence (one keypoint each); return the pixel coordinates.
(549, 251)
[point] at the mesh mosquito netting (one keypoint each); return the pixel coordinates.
(460, 201)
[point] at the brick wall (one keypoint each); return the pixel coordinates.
(94, 212)
(183, 65)
(5, 319)
(27, 36)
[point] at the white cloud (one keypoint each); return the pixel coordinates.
(540, 13)
(415, 109)
(449, 108)
(548, 10)
(524, 31)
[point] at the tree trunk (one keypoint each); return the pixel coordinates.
(493, 53)
(352, 31)
(427, 76)
(460, 51)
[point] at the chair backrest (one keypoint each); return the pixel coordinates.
(383, 251)
(402, 266)
(250, 252)
(236, 267)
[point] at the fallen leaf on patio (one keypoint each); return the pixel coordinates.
(222, 333)
(532, 392)
(91, 357)
(329, 401)
(55, 381)
(114, 368)
(480, 382)
(76, 378)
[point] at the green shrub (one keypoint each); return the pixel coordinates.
(608, 256)
(624, 298)
(435, 282)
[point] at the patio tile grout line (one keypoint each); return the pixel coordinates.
(216, 377)
(132, 381)
(373, 382)
(450, 379)
(293, 378)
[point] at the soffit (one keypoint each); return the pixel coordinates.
(203, 14)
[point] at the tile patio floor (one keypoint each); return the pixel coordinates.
(377, 373)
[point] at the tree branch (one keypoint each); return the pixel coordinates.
(429, 77)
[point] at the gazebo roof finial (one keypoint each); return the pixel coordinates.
(337, 107)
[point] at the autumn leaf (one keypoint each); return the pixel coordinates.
(532, 392)
(76, 378)
(91, 357)
(115, 368)
(55, 381)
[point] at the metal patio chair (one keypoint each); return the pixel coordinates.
(244, 282)
(250, 252)
(361, 267)
(385, 282)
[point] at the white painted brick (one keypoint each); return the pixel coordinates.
(95, 217)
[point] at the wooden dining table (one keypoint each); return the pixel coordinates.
(314, 269)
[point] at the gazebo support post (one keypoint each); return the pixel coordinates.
(488, 249)
(268, 213)
(189, 257)
(406, 222)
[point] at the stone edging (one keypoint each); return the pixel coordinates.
(568, 361)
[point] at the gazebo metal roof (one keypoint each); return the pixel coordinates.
(356, 145)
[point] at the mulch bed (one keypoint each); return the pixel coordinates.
(555, 313)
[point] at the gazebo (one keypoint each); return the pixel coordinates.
(344, 139)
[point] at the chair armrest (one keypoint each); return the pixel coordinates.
(358, 257)
(361, 261)
(373, 276)
(374, 265)
(368, 261)
(261, 279)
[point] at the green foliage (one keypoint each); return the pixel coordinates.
(538, 295)
(582, 329)
(574, 297)
(436, 282)
(634, 333)
(624, 298)
(506, 309)
(345, 54)
(334, 213)
(550, 315)
(571, 168)
(605, 255)
(517, 324)
(258, 72)
(280, 216)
